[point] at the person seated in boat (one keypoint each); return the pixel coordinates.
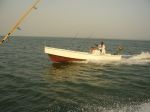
(95, 50)
(92, 49)
(101, 47)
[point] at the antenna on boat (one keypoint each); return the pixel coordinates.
(16, 26)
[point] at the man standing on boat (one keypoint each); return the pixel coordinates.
(101, 47)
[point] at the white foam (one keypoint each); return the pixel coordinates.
(142, 56)
(144, 107)
(138, 59)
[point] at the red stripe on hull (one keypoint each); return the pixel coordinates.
(56, 58)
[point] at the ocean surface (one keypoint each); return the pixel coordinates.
(29, 82)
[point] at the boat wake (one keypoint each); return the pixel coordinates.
(137, 59)
(144, 107)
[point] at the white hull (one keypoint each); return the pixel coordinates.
(62, 55)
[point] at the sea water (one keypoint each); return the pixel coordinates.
(29, 82)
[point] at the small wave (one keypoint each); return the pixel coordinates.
(145, 107)
(138, 59)
(142, 56)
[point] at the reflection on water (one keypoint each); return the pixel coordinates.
(63, 71)
(99, 87)
(78, 73)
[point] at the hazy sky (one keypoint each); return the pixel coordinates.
(122, 19)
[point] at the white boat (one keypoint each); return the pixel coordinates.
(63, 55)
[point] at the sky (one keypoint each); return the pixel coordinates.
(108, 19)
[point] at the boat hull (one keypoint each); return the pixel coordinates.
(56, 58)
(62, 55)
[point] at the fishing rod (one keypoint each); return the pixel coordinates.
(16, 26)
